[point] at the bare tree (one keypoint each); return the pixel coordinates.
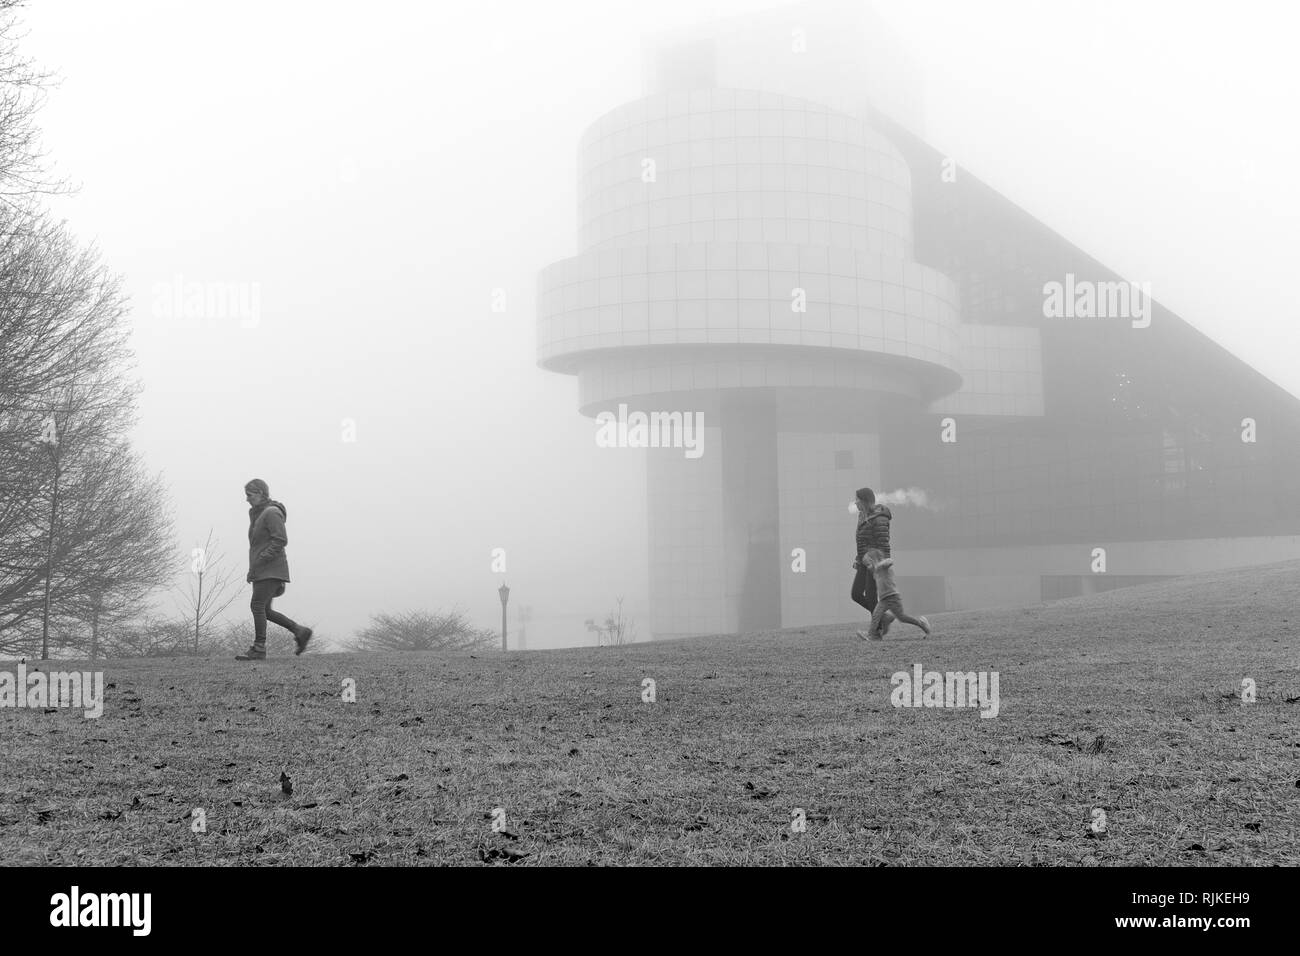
(23, 169)
(615, 629)
(83, 531)
(424, 631)
(210, 587)
(88, 539)
(151, 636)
(117, 539)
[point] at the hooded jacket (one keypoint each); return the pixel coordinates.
(873, 530)
(266, 542)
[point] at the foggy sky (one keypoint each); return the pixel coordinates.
(378, 171)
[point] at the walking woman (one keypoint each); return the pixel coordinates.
(268, 568)
(872, 535)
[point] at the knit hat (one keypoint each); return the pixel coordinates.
(258, 485)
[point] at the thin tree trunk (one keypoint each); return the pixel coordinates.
(49, 567)
(198, 605)
(94, 629)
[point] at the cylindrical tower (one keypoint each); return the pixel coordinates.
(747, 254)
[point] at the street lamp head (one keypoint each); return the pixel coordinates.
(505, 594)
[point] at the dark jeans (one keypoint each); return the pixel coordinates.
(864, 589)
(263, 592)
(864, 593)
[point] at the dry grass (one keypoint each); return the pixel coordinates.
(744, 729)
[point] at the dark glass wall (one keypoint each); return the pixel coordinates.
(1142, 436)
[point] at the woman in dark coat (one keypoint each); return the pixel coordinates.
(268, 568)
(872, 535)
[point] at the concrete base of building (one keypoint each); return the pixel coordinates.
(1159, 558)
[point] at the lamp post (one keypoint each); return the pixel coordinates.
(505, 596)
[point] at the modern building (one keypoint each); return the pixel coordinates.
(766, 238)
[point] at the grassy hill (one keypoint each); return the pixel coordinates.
(1127, 701)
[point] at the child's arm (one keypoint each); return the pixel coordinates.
(887, 563)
